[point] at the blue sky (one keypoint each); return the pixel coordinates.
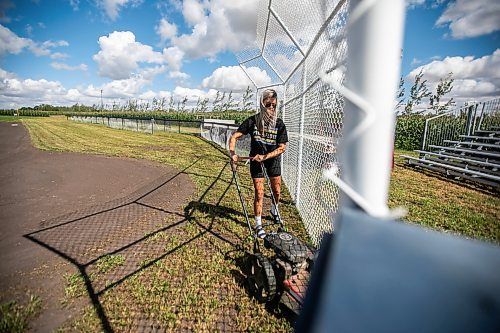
(63, 52)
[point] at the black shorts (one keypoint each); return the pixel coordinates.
(273, 168)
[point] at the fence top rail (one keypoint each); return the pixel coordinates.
(166, 119)
(451, 111)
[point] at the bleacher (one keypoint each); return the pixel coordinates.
(471, 156)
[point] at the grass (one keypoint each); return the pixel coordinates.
(13, 118)
(109, 262)
(443, 204)
(15, 317)
(195, 282)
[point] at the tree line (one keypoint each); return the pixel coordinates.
(223, 102)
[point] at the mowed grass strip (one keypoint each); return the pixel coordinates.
(196, 283)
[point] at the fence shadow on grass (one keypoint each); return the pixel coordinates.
(120, 228)
(137, 229)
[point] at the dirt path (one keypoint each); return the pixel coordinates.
(63, 211)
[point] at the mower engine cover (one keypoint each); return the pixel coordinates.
(287, 246)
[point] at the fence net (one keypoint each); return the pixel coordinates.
(293, 47)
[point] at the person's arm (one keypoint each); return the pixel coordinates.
(278, 151)
(232, 145)
(282, 140)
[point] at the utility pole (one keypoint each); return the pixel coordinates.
(102, 105)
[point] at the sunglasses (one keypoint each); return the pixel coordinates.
(270, 105)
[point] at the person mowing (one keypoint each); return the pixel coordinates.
(268, 141)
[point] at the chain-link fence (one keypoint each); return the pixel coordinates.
(145, 125)
(292, 50)
(488, 116)
(212, 130)
(293, 47)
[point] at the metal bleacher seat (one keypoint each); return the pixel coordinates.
(480, 138)
(475, 157)
(480, 145)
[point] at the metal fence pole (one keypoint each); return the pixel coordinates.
(372, 76)
(425, 134)
(283, 118)
(481, 117)
(468, 122)
(301, 137)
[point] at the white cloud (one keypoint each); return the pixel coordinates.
(66, 67)
(120, 55)
(127, 88)
(178, 75)
(191, 94)
(474, 78)
(11, 43)
(59, 55)
(229, 25)
(149, 95)
(233, 78)
(414, 3)
(193, 11)
(149, 73)
(112, 7)
(50, 43)
(16, 92)
(173, 55)
(166, 30)
(471, 18)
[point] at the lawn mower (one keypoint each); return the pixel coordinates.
(283, 276)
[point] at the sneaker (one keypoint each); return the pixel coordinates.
(261, 233)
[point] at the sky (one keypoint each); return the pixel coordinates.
(63, 52)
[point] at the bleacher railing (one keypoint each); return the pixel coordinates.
(465, 120)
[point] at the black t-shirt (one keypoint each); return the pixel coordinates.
(269, 141)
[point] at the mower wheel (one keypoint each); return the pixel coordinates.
(261, 279)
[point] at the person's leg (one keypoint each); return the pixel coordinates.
(276, 188)
(273, 168)
(258, 184)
